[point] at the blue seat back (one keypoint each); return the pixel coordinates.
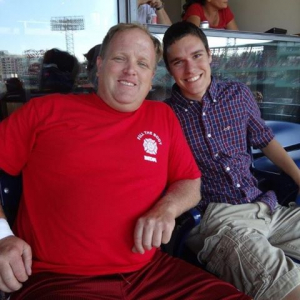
(10, 194)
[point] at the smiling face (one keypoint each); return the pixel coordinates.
(126, 71)
(189, 64)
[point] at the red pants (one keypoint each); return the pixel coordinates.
(164, 278)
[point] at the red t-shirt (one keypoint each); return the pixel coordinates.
(89, 172)
(225, 15)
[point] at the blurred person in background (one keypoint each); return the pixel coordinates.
(91, 67)
(216, 12)
(59, 71)
(147, 8)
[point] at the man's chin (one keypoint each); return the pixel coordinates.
(127, 106)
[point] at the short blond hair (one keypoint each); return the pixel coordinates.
(130, 26)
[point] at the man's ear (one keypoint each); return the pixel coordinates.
(99, 62)
(209, 56)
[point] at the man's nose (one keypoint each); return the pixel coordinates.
(189, 67)
(130, 68)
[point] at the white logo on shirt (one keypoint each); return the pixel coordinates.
(151, 141)
(150, 146)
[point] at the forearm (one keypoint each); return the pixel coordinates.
(275, 152)
(162, 17)
(232, 25)
(156, 226)
(180, 197)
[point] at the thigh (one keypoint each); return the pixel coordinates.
(285, 229)
(237, 249)
(170, 278)
(49, 286)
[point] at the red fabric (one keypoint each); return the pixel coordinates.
(86, 180)
(164, 278)
(225, 15)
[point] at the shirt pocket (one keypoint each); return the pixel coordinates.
(232, 136)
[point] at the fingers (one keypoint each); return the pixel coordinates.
(8, 281)
(151, 233)
(138, 238)
(15, 263)
(27, 259)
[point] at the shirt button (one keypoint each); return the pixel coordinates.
(217, 154)
(186, 110)
(191, 102)
(204, 114)
(238, 185)
(227, 169)
(209, 135)
(214, 100)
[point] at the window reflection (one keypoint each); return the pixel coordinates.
(270, 68)
(30, 28)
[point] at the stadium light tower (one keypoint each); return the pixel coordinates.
(67, 24)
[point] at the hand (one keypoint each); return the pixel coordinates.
(152, 230)
(15, 263)
(154, 3)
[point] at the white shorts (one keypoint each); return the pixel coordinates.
(250, 248)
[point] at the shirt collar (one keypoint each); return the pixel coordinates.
(211, 94)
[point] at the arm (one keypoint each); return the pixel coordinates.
(15, 259)
(162, 16)
(275, 152)
(232, 25)
(194, 19)
(156, 226)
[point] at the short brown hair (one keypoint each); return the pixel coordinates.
(179, 30)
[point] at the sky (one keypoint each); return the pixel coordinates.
(25, 25)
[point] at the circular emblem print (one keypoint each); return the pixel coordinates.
(150, 146)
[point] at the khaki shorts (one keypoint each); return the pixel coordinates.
(250, 248)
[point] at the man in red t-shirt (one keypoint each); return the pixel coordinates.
(104, 175)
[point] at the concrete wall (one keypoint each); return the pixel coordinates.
(173, 8)
(261, 15)
(255, 15)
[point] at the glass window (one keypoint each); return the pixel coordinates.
(268, 64)
(28, 29)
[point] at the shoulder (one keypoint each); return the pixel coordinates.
(170, 102)
(227, 14)
(159, 106)
(56, 98)
(233, 90)
(194, 9)
(55, 103)
(230, 85)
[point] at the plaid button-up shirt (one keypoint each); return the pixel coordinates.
(220, 130)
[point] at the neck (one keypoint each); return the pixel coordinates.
(210, 9)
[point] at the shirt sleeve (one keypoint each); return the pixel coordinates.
(228, 15)
(17, 136)
(258, 133)
(195, 10)
(182, 164)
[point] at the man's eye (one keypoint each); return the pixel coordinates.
(143, 64)
(118, 58)
(197, 55)
(178, 62)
